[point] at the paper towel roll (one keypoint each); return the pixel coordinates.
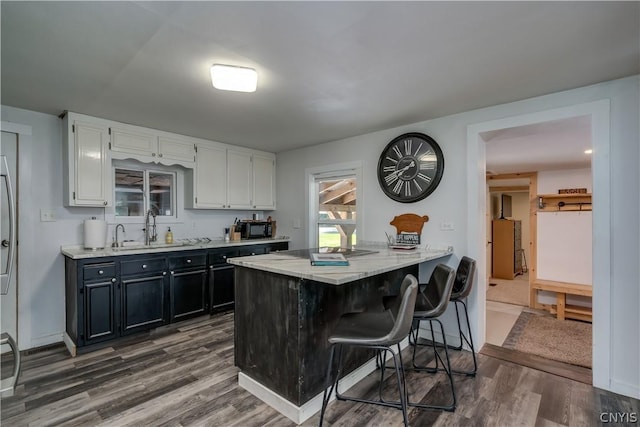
(95, 234)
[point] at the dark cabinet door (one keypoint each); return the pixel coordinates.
(99, 311)
(188, 293)
(144, 302)
(221, 287)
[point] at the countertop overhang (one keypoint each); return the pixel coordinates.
(382, 261)
(79, 252)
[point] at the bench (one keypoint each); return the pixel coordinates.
(562, 310)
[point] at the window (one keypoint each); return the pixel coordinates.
(138, 190)
(336, 211)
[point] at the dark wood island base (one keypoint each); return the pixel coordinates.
(282, 324)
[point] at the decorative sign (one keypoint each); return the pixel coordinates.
(572, 191)
(405, 238)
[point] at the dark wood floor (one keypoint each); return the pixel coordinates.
(184, 375)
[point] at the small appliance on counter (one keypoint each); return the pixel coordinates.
(250, 229)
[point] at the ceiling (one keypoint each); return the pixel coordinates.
(327, 70)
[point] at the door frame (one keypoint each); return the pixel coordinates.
(599, 111)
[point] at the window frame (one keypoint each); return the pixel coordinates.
(337, 171)
(146, 169)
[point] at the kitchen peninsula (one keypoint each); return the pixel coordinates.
(285, 310)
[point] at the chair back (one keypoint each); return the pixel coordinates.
(402, 310)
(433, 300)
(465, 275)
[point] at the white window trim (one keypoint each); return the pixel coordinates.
(329, 171)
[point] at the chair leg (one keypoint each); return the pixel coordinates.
(328, 389)
(447, 368)
(402, 385)
(469, 341)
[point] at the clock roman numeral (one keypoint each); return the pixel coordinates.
(390, 179)
(415, 182)
(397, 187)
(424, 177)
(388, 168)
(418, 149)
(397, 151)
(407, 188)
(427, 165)
(392, 160)
(407, 146)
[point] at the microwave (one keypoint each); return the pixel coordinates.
(256, 229)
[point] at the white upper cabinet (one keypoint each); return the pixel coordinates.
(239, 179)
(148, 145)
(87, 165)
(232, 178)
(209, 178)
(264, 181)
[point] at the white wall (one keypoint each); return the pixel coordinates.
(450, 202)
(41, 269)
(565, 238)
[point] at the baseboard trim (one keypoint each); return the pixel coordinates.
(299, 414)
(626, 389)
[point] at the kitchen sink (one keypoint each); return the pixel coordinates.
(134, 246)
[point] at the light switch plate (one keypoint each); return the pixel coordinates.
(47, 215)
(447, 226)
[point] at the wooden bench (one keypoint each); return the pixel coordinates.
(562, 310)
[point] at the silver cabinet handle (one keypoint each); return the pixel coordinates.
(173, 272)
(153, 154)
(100, 272)
(104, 203)
(164, 273)
(113, 280)
(188, 261)
(144, 265)
(224, 257)
(160, 155)
(5, 276)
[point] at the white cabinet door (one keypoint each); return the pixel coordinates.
(239, 180)
(126, 140)
(264, 182)
(175, 149)
(91, 169)
(210, 177)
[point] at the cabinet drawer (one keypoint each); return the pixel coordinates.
(139, 266)
(188, 261)
(219, 257)
(99, 271)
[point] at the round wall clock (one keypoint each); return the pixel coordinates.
(410, 167)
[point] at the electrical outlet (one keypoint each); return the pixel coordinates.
(47, 215)
(447, 226)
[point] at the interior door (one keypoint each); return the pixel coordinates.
(8, 226)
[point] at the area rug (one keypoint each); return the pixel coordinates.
(509, 291)
(567, 341)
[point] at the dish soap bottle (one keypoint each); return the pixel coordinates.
(168, 238)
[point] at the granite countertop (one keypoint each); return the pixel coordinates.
(380, 261)
(79, 252)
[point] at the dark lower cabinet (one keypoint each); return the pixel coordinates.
(143, 303)
(221, 287)
(99, 305)
(114, 296)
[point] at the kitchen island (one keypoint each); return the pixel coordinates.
(285, 310)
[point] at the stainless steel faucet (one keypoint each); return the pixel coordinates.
(116, 243)
(148, 238)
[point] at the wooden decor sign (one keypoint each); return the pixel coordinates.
(572, 191)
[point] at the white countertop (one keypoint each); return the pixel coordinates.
(359, 267)
(79, 252)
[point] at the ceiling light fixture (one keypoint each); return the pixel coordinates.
(229, 77)
(589, 151)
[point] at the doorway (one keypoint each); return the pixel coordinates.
(599, 113)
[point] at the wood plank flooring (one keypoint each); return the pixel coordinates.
(183, 375)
